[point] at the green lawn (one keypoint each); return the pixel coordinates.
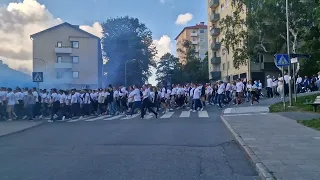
(314, 123)
(298, 106)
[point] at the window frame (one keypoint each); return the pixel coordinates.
(201, 30)
(75, 62)
(59, 42)
(74, 46)
(73, 74)
(58, 59)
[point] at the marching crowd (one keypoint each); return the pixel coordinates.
(70, 104)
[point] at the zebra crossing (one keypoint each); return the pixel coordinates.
(168, 115)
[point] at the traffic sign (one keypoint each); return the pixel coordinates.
(308, 56)
(282, 60)
(37, 76)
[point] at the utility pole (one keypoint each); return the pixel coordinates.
(288, 51)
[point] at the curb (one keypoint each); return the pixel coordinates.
(22, 130)
(257, 164)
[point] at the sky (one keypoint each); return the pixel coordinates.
(21, 18)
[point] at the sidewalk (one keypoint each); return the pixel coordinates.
(277, 146)
(16, 126)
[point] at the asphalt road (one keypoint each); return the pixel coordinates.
(155, 149)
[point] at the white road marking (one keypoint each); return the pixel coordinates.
(113, 118)
(167, 115)
(185, 114)
(148, 116)
(239, 115)
(95, 119)
(131, 117)
(203, 114)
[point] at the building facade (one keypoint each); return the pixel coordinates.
(197, 35)
(68, 56)
(220, 61)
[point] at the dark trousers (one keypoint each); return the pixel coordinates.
(197, 104)
(269, 92)
(136, 104)
(54, 109)
(146, 104)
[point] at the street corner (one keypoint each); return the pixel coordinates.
(11, 127)
(245, 111)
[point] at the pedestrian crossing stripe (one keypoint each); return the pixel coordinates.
(167, 115)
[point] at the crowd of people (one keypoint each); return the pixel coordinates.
(71, 104)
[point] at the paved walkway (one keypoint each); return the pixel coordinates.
(278, 146)
(16, 126)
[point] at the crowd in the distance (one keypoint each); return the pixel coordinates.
(70, 104)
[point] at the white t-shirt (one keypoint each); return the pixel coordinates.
(197, 93)
(43, 98)
(136, 94)
(269, 82)
(221, 88)
(130, 97)
(228, 87)
(11, 98)
(35, 94)
(239, 86)
(62, 98)
(191, 92)
(54, 97)
(74, 99)
(163, 93)
(87, 98)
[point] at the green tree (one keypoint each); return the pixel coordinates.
(169, 70)
(127, 42)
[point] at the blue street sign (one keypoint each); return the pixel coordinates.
(308, 56)
(282, 60)
(37, 76)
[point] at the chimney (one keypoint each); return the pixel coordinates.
(201, 23)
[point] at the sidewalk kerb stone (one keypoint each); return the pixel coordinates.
(23, 129)
(258, 165)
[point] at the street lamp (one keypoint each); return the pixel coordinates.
(125, 71)
(224, 53)
(45, 63)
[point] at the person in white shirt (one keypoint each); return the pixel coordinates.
(191, 97)
(228, 91)
(38, 105)
(86, 103)
(239, 91)
(220, 92)
(74, 104)
(299, 83)
(286, 83)
(163, 100)
(136, 99)
(19, 96)
(123, 100)
(11, 101)
(196, 98)
(146, 103)
(55, 104)
(269, 87)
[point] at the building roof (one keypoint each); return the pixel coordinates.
(76, 27)
(197, 26)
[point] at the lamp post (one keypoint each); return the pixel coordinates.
(224, 53)
(288, 51)
(125, 71)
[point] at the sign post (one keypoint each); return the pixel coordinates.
(282, 60)
(37, 77)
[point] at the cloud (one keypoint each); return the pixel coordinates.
(183, 19)
(95, 29)
(163, 46)
(17, 22)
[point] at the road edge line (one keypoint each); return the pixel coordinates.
(22, 130)
(255, 161)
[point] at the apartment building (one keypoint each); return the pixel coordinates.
(197, 35)
(68, 56)
(220, 61)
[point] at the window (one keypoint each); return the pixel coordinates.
(59, 75)
(59, 59)
(75, 44)
(75, 59)
(223, 66)
(75, 74)
(193, 31)
(215, 54)
(222, 7)
(227, 3)
(201, 30)
(59, 44)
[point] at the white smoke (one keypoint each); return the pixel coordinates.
(17, 22)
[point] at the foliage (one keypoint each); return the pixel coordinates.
(193, 69)
(127, 42)
(169, 70)
(313, 123)
(235, 35)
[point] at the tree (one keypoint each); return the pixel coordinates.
(169, 70)
(127, 42)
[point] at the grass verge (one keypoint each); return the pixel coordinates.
(314, 123)
(298, 106)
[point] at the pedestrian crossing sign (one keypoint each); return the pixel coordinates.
(37, 76)
(282, 60)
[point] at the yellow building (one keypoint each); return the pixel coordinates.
(220, 62)
(197, 35)
(68, 56)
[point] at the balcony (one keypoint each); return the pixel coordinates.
(214, 17)
(194, 34)
(215, 46)
(63, 50)
(215, 75)
(215, 31)
(194, 42)
(216, 60)
(63, 65)
(214, 3)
